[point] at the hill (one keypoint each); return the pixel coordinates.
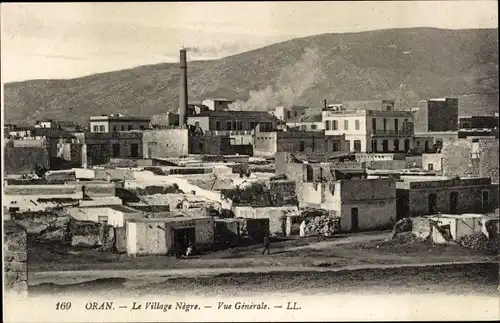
(405, 64)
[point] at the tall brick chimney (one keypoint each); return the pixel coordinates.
(183, 95)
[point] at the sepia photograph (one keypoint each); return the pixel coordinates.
(250, 161)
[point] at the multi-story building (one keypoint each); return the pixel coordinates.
(118, 122)
(307, 123)
(381, 105)
(233, 120)
(49, 123)
(267, 143)
(217, 104)
(371, 130)
(437, 115)
(290, 113)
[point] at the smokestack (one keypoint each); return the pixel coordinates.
(183, 95)
(325, 103)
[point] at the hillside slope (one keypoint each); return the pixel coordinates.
(406, 64)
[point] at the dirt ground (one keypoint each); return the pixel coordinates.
(342, 250)
(477, 279)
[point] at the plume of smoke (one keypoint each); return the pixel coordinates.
(291, 84)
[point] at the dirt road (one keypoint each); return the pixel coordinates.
(353, 238)
(68, 277)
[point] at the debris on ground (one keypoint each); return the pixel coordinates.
(478, 241)
(320, 222)
(403, 225)
(404, 239)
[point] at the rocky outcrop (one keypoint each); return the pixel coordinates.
(15, 257)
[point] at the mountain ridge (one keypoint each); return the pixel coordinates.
(407, 64)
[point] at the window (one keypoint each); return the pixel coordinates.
(418, 143)
(141, 127)
(335, 125)
(122, 128)
(252, 125)
(295, 113)
(217, 125)
(327, 124)
(234, 126)
(407, 144)
(314, 127)
(357, 145)
(385, 146)
(356, 124)
(348, 145)
(430, 167)
(102, 128)
(396, 125)
(288, 114)
(96, 128)
(385, 124)
(114, 128)
(200, 146)
(389, 108)
(302, 146)
(335, 146)
(374, 124)
(102, 218)
(374, 146)
(346, 124)
(240, 125)
(130, 127)
(228, 125)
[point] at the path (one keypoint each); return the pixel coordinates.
(354, 238)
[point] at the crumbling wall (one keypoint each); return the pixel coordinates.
(15, 258)
(456, 158)
(489, 159)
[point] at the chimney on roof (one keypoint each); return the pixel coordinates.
(183, 95)
(325, 105)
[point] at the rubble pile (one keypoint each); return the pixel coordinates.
(323, 225)
(403, 225)
(48, 226)
(404, 239)
(478, 241)
(91, 234)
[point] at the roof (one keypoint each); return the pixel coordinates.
(123, 209)
(40, 189)
(219, 99)
(51, 132)
(321, 157)
(234, 113)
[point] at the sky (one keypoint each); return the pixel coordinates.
(68, 40)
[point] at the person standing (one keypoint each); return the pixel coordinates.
(266, 245)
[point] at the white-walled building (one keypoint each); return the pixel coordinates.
(118, 122)
(372, 130)
(217, 104)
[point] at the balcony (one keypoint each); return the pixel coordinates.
(392, 133)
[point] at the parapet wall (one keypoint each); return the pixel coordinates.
(15, 257)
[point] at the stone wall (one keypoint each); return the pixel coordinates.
(15, 257)
(165, 143)
(464, 158)
(488, 166)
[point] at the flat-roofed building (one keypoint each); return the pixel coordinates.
(233, 120)
(118, 122)
(372, 130)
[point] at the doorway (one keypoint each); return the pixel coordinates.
(182, 238)
(354, 219)
(486, 200)
(453, 202)
(432, 203)
(134, 150)
(116, 150)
